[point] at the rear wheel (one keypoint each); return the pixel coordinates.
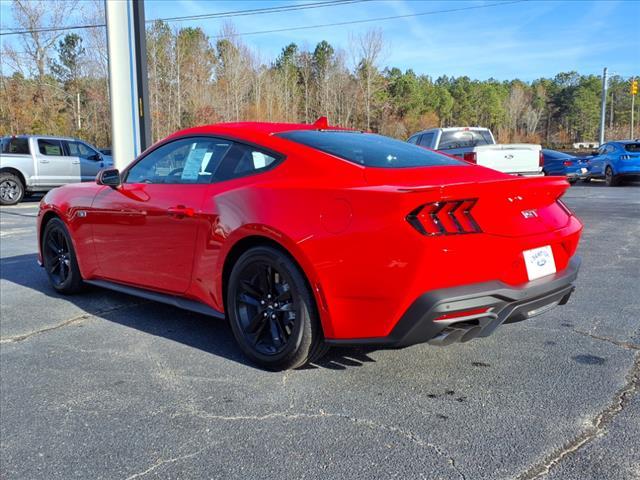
(11, 189)
(272, 312)
(610, 179)
(59, 258)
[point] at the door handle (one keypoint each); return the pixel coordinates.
(44, 160)
(181, 211)
(75, 162)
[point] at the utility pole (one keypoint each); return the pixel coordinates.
(634, 92)
(603, 108)
(611, 111)
(78, 105)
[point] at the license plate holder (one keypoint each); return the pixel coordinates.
(539, 262)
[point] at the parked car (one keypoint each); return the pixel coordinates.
(564, 165)
(615, 162)
(477, 145)
(36, 163)
(306, 236)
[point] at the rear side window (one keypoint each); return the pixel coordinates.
(426, 140)
(464, 139)
(50, 147)
(79, 149)
(632, 147)
(242, 160)
(369, 149)
(15, 145)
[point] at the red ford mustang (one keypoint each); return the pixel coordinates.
(306, 236)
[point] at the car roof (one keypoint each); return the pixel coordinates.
(624, 142)
(46, 137)
(261, 132)
(450, 129)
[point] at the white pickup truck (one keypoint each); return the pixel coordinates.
(477, 145)
(34, 163)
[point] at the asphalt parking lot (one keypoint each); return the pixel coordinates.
(103, 385)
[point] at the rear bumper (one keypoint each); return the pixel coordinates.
(422, 322)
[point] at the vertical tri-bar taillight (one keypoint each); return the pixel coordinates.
(451, 217)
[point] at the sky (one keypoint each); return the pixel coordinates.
(526, 40)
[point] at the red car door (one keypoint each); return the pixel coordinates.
(145, 231)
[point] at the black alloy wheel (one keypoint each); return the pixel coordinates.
(609, 178)
(59, 258)
(271, 310)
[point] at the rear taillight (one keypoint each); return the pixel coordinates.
(470, 157)
(567, 163)
(463, 313)
(452, 217)
(566, 209)
(540, 159)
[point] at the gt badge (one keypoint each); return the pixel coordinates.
(529, 213)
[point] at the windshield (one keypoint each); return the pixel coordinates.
(464, 139)
(369, 149)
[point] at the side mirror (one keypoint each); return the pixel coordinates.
(110, 177)
(96, 157)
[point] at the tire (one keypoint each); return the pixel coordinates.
(610, 179)
(272, 312)
(59, 258)
(572, 181)
(11, 189)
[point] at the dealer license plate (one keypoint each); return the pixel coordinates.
(539, 262)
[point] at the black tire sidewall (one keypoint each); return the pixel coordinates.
(10, 176)
(73, 283)
(307, 332)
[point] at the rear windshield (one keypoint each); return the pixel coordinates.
(464, 139)
(632, 147)
(556, 154)
(15, 145)
(369, 149)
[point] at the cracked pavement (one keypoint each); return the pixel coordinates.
(106, 386)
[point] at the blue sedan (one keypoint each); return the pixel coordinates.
(616, 161)
(563, 164)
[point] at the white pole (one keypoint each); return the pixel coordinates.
(603, 109)
(78, 104)
(125, 125)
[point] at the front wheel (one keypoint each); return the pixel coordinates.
(610, 179)
(59, 258)
(272, 311)
(11, 189)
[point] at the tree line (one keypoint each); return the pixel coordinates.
(59, 85)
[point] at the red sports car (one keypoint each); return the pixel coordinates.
(306, 236)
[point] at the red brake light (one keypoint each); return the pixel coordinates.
(470, 157)
(444, 218)
(540, 159)
(567, 163)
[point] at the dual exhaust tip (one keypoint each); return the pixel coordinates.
(457, 333)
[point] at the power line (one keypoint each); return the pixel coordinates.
(227, 14)
(368, 20)
(241, 13)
